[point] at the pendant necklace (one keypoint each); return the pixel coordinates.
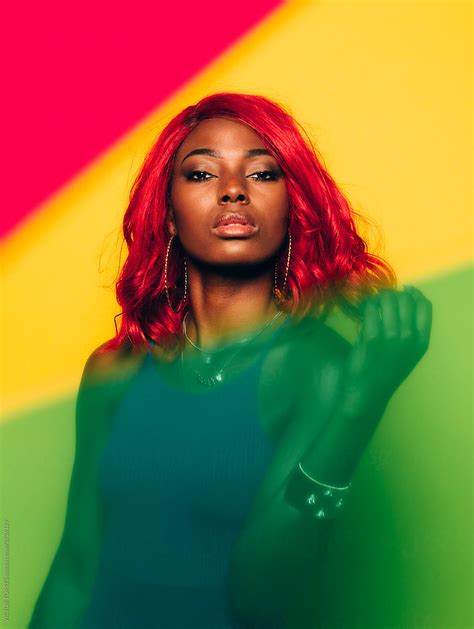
(216, 378)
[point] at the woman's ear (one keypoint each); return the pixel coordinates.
(170, 224)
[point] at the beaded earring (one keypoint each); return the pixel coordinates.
(279, 293)
(166, 277)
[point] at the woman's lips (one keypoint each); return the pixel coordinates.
(233, 230)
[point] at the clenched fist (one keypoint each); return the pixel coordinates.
(393, 337)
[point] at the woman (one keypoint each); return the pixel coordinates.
(218, 431)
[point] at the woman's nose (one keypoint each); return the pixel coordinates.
(233, 190)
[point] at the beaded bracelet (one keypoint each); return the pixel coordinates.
(322, 502)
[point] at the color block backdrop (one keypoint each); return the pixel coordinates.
(384, 89)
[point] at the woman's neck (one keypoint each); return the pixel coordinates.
(224, 310)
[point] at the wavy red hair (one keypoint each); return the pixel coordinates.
(330, 260)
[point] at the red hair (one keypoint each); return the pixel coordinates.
(329, 259)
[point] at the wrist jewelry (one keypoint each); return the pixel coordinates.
(310, 496)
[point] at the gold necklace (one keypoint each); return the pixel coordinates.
(216, 378)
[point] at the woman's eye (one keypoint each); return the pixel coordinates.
(198, 175)
(262, 175)
(266, 175)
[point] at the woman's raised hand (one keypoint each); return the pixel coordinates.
(394, 336)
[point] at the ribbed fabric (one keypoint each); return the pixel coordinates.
(178, 475)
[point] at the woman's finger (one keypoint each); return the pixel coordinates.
(423, 317)
(372, 322)
(407, 310)
(389, 311)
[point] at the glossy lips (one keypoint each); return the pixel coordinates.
(234, 225)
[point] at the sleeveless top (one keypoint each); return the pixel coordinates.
(177, 475)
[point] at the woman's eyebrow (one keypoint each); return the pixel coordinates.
(213, 153)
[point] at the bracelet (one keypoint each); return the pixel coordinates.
(312, 497)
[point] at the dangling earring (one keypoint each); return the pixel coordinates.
(277, 292)
(166, 276)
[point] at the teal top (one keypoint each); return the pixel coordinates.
(178, 475)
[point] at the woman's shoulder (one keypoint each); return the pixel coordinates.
(315, 336)
(106, 378)
(105, 365)
(317, 355)
(309, 352)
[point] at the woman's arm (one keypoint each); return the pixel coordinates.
(66, 591)
(280, 544)
(394, 336)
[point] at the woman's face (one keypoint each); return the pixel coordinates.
(229, 199)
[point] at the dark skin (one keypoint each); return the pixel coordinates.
(230, 278)
(225, 302)
(320, 398)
